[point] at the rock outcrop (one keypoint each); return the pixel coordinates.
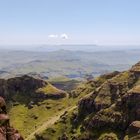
(18, 89)
(136, 69)
(115, 105)
(22, 85)
(6, 131)
(104, 96)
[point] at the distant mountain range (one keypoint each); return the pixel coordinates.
(65, 63)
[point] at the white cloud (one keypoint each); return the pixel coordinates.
(56, 36)
(53, 36)
(64, 36)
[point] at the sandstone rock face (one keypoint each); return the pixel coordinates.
(25, 90)
(22, 85)
(87, 105)
(25, 83)
(107, 119)
(119, 116)
(6, 131)
(136, 70)
(107, 94)
(130, 104)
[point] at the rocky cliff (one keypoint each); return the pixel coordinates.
(6, 131)
(114, 106)
(26, 89)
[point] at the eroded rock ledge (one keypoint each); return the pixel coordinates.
(6, 131)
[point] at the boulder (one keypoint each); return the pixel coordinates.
(6, 131)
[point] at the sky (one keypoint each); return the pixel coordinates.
(103, 22)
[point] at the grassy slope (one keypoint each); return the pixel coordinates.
(59, 128)
(49, 89)
(25, 120)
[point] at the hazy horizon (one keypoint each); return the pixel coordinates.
(69, 47)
